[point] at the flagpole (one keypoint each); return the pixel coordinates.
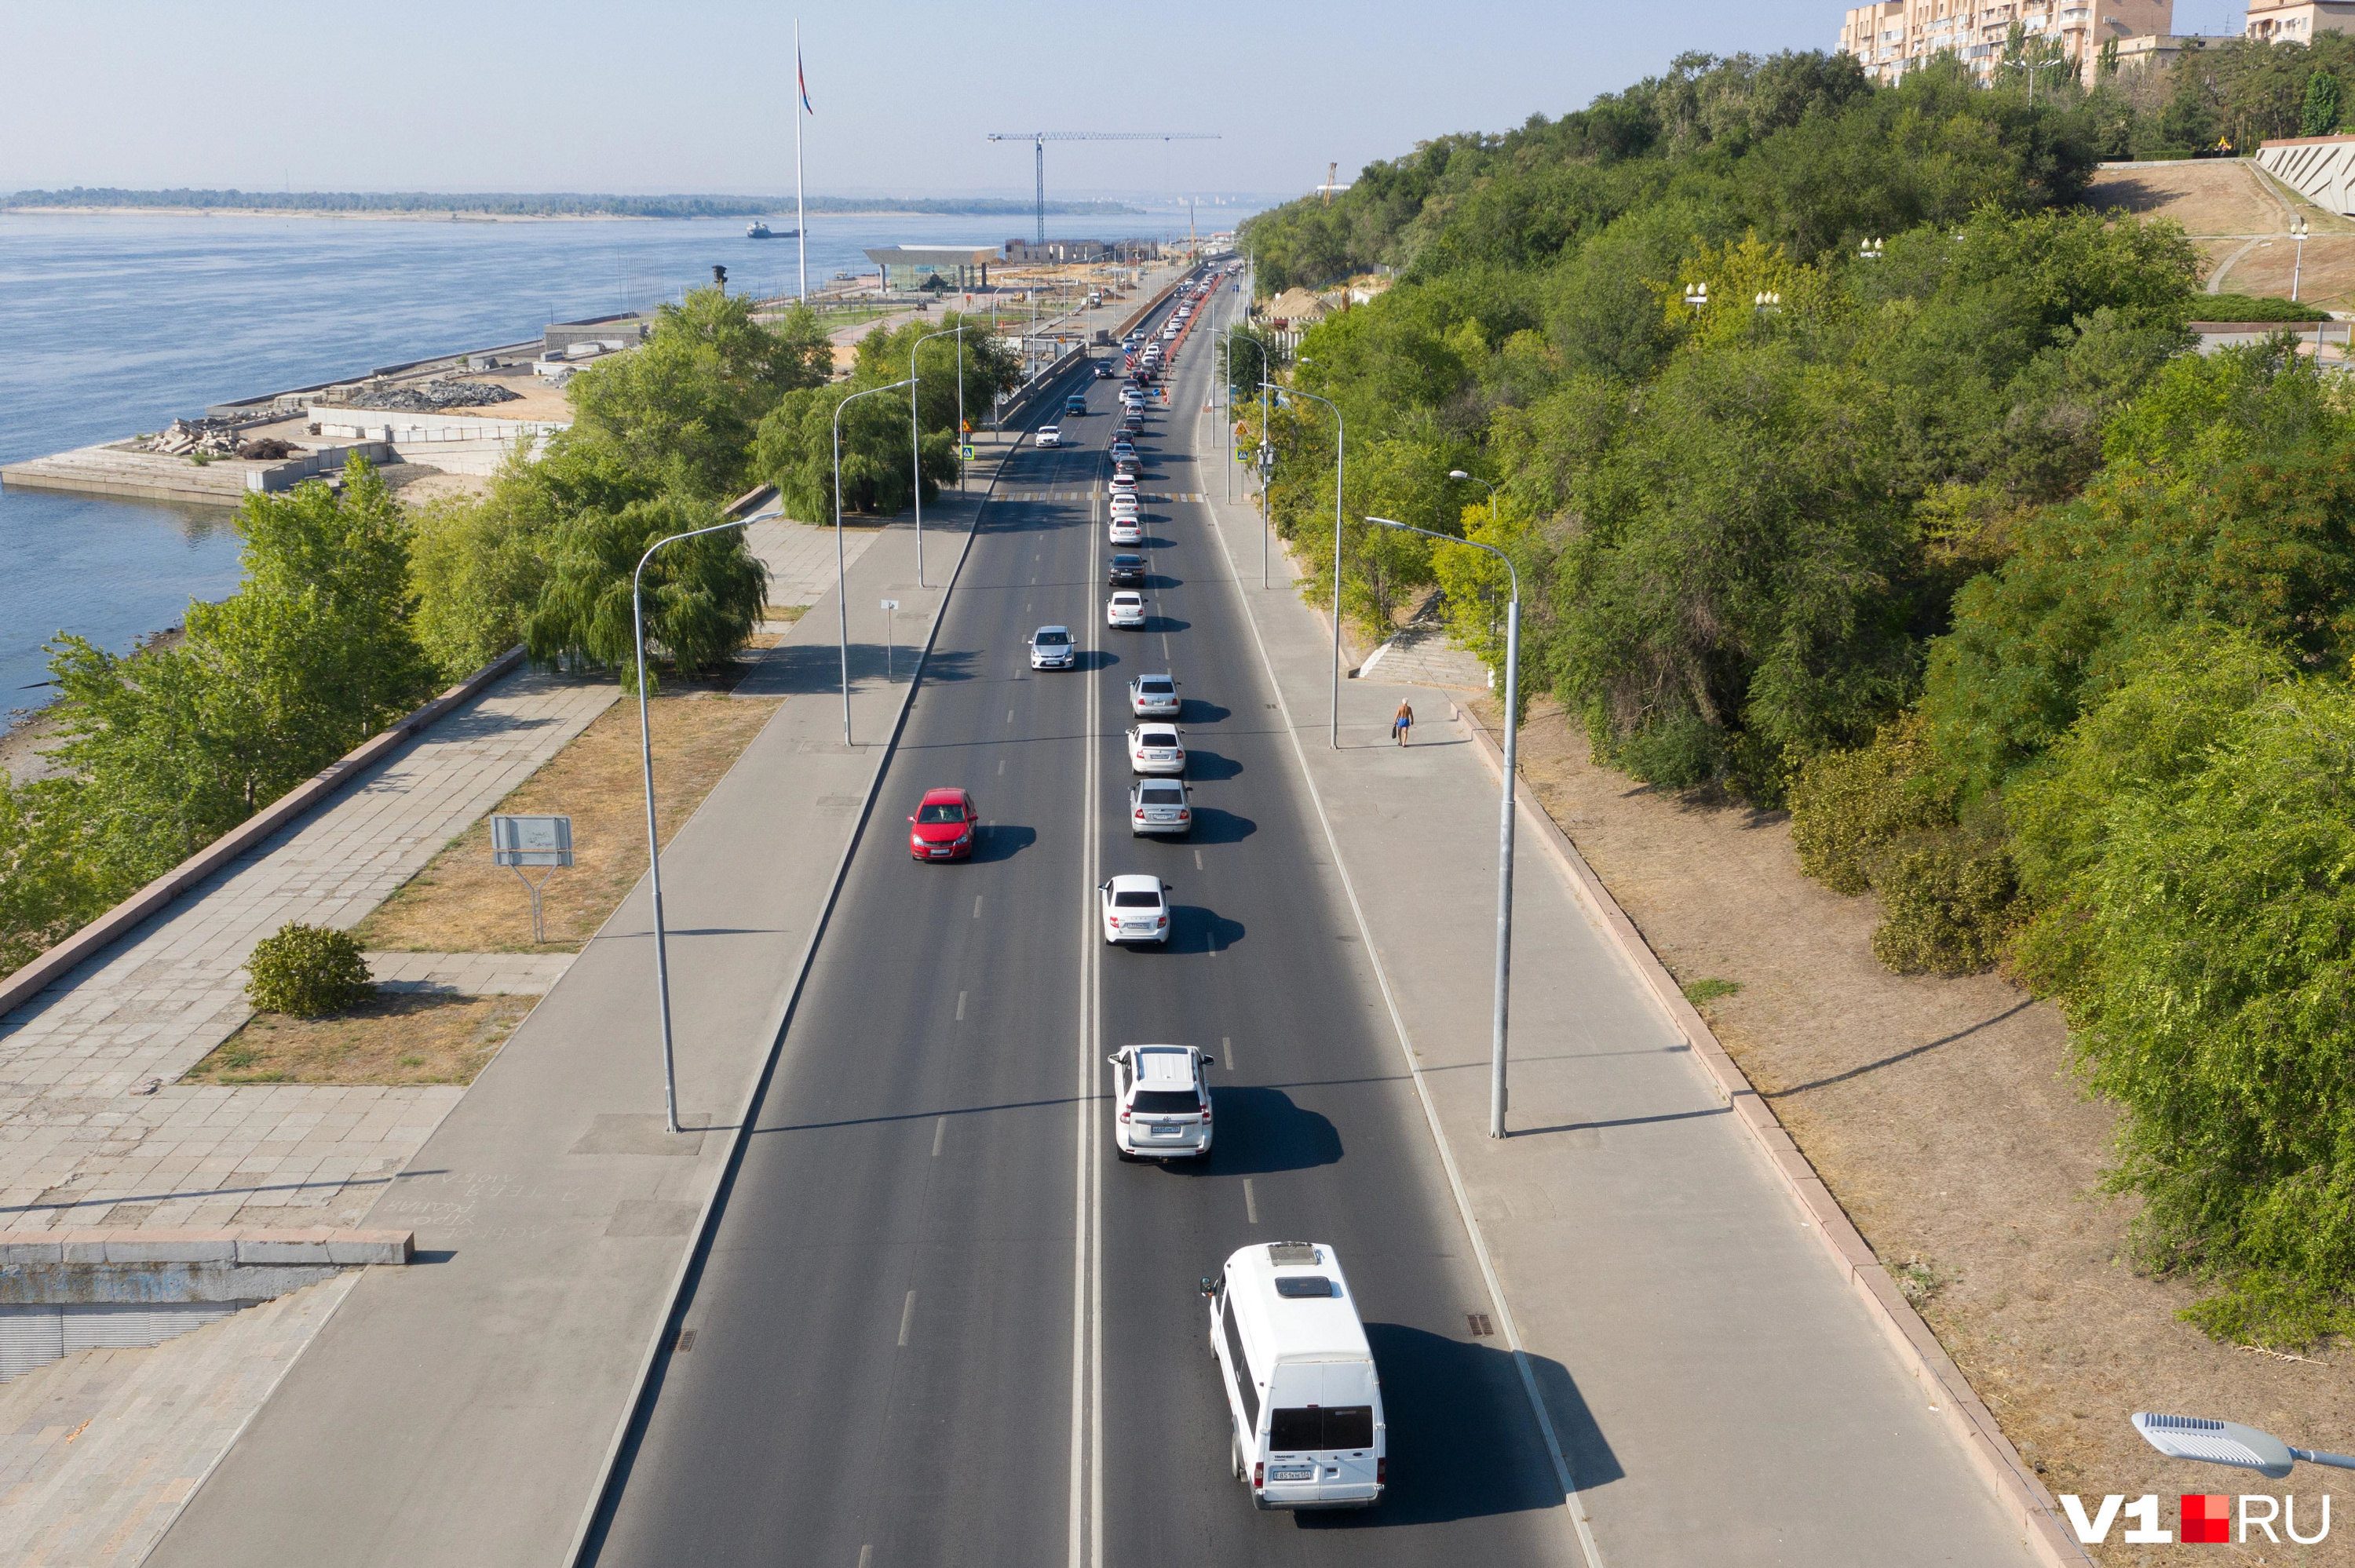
(801, 219)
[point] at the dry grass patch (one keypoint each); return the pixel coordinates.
(402, 1037)
(460, 903)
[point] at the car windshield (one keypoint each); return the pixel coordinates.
(1054, 640)
(940, 811)
(1136, 901)
(1166, 1102)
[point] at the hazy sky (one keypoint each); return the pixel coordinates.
(602, 95)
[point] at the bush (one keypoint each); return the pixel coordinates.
(307, 971)
(1849, 807)
(1945, 901)
(2250, 308)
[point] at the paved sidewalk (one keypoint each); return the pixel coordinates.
(98, 1451)
(1722, 1394)
(1422, 656)
(94, 1129)
(459, 1412)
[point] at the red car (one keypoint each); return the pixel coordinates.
(943, 826)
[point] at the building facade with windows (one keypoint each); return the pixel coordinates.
(1897, 35)
(2297, 21)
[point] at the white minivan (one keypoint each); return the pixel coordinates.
(1302, 1394)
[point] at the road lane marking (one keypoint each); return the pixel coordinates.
(1250, 1208)
(1009, 715)
(977, 906)
(940, 1134)
(960, 1017)
(1001, 768)
(1226, 1053)
(866, 1556)
(907, 1317)
(1197, 860)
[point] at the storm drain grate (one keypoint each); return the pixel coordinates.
(686, 1341)
(1481, 1327)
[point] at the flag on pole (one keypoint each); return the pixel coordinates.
(802, 77)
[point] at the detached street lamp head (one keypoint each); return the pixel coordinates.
(1697, 297)
(2228, 1443)
(1869, 250)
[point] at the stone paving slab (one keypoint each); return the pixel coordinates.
(469, 974)
(98, 1451)
(95, 1129)
(1424, 656)
(800, 556)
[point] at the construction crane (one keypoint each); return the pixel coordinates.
(1038, 139)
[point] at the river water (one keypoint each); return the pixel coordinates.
(110, 327)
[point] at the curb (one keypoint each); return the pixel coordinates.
(1966, 1416)
(28, 982)
(704, 1222)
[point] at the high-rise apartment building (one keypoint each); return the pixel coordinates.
(2297, 21)
(1898, 35)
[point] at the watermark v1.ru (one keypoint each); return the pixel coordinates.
(2204, 1517)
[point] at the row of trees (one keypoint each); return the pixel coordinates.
(2039, 623)
(353, 608)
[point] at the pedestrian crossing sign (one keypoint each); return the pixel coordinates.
(966, 451)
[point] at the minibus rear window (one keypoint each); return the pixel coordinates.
(1315, 1431)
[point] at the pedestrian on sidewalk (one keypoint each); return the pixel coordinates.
(1402, 721)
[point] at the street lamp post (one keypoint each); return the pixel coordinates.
(1340, 447)
(2298, 227)
(1500, 1010)
(841, 572)
(654, 840)
(916, 435)
(2230, 1443)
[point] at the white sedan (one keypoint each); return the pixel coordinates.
(1156, 749)
(1123, 484)
(1134, 910)
(1126, 530)
(1126, 607)
(1049, 436)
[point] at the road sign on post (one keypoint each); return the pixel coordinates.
(519, 842)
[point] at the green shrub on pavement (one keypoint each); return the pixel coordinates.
(308, 971)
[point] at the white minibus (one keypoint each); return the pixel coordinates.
(1305, 1404)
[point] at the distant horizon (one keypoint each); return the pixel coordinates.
(1084, 202)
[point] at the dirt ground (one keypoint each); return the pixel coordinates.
(460, 903)
(2206, 196)
(1942, 1115)
(407, 1037)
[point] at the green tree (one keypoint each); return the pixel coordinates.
(49, 887)
(701, 597)
(2318, 116)
(313, 655)
(685, 406)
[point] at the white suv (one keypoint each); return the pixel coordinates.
(1163, 1102)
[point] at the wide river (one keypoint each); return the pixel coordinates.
(110, 327)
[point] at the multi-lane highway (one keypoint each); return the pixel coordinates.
(938, 1322)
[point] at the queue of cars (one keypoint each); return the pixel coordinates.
(1306, 1423)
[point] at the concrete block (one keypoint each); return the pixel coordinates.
(80, 1246)
(171, 1246)
(294, 1244)
(44, 1250)
(371, 1246)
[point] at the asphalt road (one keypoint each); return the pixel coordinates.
(938, 1322)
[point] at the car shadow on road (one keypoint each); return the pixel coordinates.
(1194, 710)
(1462, 1441)
(1003, 841)
(1194, 929)
(1171, 623)
(1262, 1131)
(1212, 826)
(1209, 767)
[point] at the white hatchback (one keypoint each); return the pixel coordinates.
(1163, 1102)
(1157, 749)
(1134, 910)
(1126, 607)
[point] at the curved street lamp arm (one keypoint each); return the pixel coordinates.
(842, 572)
(1453, 539)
